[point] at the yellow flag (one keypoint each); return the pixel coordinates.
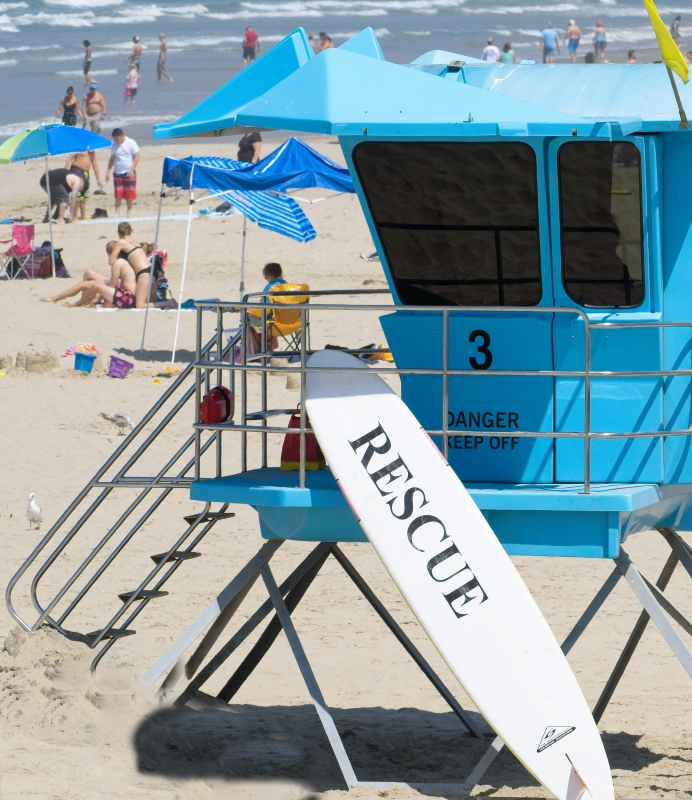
(672, 57)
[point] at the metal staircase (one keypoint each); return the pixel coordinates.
(113, 485)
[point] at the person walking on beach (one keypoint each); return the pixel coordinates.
(93, 109)
(599, 43)
(551, 42)
(135, 53)
(572, 38)
(161, 63)
(507, 56)
(131, 86)
(69, 108)
(250, 46)
(675, 29)
(491, 53)
(86, 66)
(631, 56)
(123, 163)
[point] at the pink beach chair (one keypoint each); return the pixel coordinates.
(18, 260)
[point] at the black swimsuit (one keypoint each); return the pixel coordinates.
(69, 115)
(126, 256)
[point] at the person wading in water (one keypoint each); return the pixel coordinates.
(69, 108)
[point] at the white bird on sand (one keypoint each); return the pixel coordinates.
(120, 420)
(33, 512)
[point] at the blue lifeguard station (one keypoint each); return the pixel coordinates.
(533, 226)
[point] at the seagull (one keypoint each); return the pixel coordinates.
(33, 512)
(120, 420)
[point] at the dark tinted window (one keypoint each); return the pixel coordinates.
(600, 201)
(458, 220)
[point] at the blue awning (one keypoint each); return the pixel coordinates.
(215, 116)
(352, 90)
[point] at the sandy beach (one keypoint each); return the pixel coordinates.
(67, 735)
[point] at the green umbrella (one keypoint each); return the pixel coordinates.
(8, 147)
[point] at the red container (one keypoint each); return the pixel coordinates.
(290, 452)
(217, 406)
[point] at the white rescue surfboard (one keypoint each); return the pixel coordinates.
(456, 577)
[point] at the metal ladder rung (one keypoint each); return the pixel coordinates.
(144, 594)
(113, 633)
(176, 555)
(214, 515)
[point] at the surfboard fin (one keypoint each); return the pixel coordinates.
(576, 785)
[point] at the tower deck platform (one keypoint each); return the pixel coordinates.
(529, 519)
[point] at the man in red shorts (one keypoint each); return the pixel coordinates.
(123, 164)
(250, 46)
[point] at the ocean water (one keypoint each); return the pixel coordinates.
(41, 48)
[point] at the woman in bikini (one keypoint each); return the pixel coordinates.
(129, 249)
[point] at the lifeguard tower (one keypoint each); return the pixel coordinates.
(533, 227)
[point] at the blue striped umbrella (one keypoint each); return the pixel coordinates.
(276, 213)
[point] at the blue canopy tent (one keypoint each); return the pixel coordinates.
(293, 165)
(257, 191)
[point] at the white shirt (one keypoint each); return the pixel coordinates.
(491, 54)
(124, 155)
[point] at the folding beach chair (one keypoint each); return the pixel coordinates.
(285, 320)
(14, 262)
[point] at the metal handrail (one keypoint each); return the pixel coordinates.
(258, 301)
(120, 480)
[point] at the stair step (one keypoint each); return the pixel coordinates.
(144, 594)
(214, 515)
(113, 633)
(176, 555)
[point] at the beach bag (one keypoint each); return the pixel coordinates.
(159, 276)
(290, 452)
(217, 406)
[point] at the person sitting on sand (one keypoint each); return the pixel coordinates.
(119, 290)
(122, 289)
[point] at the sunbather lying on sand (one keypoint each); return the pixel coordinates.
(94, 288)
(123, 289)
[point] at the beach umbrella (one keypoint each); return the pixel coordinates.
(8, 147)
(55, 140)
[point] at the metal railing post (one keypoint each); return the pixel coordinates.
(587, 407)
(198, 395)
(303, 376)
(219, 379)
(263, 379)
(445, 381)
(243, 387)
